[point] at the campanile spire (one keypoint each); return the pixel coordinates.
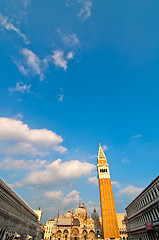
(101, 155)
(109, 218)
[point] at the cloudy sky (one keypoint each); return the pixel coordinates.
(74, 73)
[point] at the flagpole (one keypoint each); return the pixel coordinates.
(57, 223)
(71, 225)
(86, 225)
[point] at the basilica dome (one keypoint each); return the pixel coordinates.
(94, 215)
(81, 211)
(68, 214)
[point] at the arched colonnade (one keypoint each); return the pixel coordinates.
(75, 234)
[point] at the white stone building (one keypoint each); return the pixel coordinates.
(50, 228)
(39, 213)
(143, 214)
(122, 226)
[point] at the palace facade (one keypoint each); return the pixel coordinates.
(143, 214)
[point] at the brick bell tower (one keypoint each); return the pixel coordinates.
(109, 218)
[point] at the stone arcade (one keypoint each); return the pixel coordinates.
(16, 216)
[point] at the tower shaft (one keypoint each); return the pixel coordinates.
(109, 218)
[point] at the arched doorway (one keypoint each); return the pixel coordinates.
(91, 235)
(84, 235)
(65, 235)
(58, 235)
(75, 234)
(52, 236)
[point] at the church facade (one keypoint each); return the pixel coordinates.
(77, 226)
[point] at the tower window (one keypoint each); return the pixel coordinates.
(106, 170)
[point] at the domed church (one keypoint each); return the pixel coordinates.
(77, 226)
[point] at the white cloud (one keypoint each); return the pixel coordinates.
(19, 136)
(72, 197)
(12, 164)
(32, 60)
(137, 136)
(60, 60)
(58, 172)
(125, 160)
(21, 148)
(130, 190)
(69, 39)
(93, 180)
(58, 198)
(77, 150)
(93, 156)
(61, 97)
(31, 64)
(90, 207)
(20, 87)
(54, 195)
(85, 11)
(116, 184)
(5, 23)
(26, 3)
(21, 68)
(50, 211)
(70, 55)
(67, 3)
(18, 116)
(105, 147)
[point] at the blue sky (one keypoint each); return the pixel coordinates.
(75, 73)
